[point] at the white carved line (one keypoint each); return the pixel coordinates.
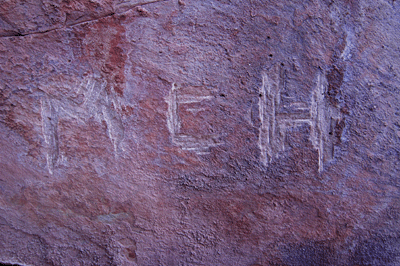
(318, 112)
(50, 132)
(263, 130)
(104, 109)
(115, 128)
(198, 144)
(96, 103)
(172, 115)
(192, 99)
(319, 116)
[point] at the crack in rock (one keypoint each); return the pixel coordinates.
(118, 9)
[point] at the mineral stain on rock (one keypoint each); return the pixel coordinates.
(199, 132)
(102, 45)
(335, 81)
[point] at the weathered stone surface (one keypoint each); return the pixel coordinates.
(199, 132)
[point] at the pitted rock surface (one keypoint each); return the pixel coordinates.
(150, 132)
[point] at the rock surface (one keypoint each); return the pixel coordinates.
(209, 132)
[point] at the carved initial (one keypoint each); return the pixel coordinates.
(318, 115)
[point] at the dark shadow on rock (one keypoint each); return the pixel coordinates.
(310, 254)
(377, 251)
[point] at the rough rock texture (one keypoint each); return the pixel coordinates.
(214, 132)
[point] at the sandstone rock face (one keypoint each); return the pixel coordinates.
(214, 132)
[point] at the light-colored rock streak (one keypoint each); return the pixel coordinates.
(50, 132)
(115, 128)
(350, 40)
